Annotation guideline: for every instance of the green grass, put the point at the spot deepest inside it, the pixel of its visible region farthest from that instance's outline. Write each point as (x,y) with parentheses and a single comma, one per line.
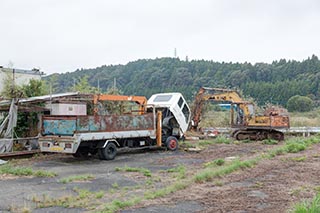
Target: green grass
(298,159)
(215,119)
(317,189)
(222,139)
(294,145)
(311,118)
(179,185)
(99,194)
(24,171)
(83,199)
(115,185)
(270,142)
(247,141)
(216,162)
(218,140)
(69,179)
(186,144)
(206,142)
(208,174)
(145,172)
(23,209)
(180,170)
(312,206)
(117,204)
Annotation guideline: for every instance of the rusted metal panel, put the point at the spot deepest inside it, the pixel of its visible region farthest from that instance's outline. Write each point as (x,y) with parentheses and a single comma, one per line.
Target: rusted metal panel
(67,125)
(127,122)
(89,123)
(58,125)
(280,121)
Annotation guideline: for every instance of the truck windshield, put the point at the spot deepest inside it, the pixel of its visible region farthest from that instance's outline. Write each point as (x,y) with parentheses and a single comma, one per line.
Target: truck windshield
(162,98)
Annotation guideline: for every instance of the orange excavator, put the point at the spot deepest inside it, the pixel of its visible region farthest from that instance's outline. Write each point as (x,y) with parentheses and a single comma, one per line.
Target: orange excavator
(243,120)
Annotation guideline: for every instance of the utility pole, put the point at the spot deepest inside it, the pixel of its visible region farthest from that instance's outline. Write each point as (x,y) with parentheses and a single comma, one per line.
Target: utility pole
(98,86)
(13,83)
(114,83)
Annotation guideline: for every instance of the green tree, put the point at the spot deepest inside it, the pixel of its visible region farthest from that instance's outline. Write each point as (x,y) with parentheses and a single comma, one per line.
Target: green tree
(10,90)
(34,88)
(115,107)
(51,84)
(299,103)
(83,86)
(274,83)
(27,121)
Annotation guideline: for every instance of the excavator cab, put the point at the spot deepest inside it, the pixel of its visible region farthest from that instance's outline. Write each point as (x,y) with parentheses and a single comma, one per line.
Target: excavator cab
(241,114)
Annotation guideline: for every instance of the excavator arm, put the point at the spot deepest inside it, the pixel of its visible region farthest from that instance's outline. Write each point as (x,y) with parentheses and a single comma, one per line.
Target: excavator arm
(217,94)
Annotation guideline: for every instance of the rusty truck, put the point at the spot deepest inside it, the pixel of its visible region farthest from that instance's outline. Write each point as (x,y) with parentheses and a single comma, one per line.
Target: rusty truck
(163,122)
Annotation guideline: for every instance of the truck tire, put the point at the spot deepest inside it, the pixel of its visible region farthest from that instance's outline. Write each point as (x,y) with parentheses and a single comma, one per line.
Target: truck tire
(81,153)
(172,143)
(109,152)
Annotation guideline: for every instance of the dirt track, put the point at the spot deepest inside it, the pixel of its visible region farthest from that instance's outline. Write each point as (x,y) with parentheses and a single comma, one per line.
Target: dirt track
(271,186)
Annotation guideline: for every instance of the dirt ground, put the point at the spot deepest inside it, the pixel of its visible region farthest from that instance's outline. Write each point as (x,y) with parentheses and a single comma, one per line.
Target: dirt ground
(273,185)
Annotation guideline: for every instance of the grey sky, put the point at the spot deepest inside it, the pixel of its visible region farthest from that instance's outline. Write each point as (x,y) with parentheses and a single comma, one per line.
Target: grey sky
(61,36)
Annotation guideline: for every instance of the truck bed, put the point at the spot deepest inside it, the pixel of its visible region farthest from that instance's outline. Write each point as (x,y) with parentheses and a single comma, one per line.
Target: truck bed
(65,133)
(69,125)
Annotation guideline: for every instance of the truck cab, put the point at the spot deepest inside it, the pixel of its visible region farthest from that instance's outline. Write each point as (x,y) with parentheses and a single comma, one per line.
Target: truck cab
(175,113)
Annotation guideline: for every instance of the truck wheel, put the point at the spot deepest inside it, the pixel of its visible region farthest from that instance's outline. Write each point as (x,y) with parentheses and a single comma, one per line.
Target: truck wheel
(81,153)
(109,152)
(101,154)
(172,143)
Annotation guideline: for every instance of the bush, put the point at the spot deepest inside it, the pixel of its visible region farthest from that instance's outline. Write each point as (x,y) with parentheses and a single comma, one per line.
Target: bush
(299,103)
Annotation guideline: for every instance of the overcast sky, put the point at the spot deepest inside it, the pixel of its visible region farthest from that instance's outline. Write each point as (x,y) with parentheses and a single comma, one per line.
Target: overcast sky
(63,35)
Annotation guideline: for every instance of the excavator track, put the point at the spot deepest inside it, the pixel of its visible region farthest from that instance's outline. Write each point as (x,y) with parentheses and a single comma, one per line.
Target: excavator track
(257,134)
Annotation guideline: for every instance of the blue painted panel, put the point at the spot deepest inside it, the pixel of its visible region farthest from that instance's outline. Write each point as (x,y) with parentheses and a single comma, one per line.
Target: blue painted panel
(59,127)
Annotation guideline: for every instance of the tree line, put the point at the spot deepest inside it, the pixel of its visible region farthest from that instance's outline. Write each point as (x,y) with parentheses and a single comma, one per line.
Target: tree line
(273,83)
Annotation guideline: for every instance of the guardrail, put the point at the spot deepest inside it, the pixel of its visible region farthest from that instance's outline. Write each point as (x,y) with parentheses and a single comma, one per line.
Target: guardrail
(303,130)
(306,131)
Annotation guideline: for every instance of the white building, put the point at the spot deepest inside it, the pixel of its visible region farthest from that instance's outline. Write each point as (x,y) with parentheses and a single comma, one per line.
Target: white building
(21,77)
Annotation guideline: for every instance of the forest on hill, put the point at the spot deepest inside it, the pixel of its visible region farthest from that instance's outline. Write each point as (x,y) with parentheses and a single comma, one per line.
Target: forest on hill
(267,83)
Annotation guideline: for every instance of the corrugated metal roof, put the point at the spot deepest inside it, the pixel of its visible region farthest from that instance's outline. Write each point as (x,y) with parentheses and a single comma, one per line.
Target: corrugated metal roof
(40,98)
